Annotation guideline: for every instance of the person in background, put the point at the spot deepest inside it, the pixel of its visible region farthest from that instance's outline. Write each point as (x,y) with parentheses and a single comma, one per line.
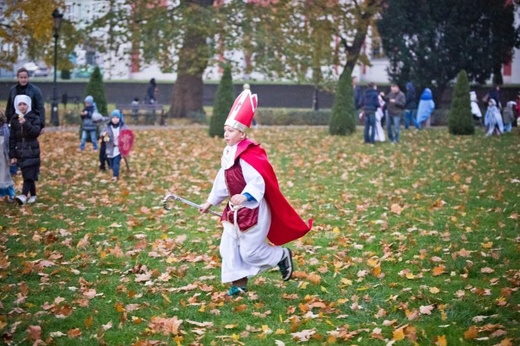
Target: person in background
(517,109)
(508,116)
(151,92)
(370,104)
(135,110)
(425,109)
(411,105)
(395,103)
(475,109)
(111,137)
(256,210)
(25,87)
(65,99)
(380,115)
(24,148)
(493,119)
(6,181)
(88,127)
(494,94)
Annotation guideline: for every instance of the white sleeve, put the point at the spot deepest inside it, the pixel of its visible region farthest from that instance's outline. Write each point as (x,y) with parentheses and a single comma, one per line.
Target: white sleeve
(255,184)
(219,190)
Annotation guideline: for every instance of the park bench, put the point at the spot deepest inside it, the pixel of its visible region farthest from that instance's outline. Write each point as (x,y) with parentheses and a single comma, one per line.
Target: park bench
(147,111)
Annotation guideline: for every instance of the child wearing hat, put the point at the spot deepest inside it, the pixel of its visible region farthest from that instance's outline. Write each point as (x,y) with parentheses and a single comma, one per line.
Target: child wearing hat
(88,126)
(24,148)
(111,135)
(256,208)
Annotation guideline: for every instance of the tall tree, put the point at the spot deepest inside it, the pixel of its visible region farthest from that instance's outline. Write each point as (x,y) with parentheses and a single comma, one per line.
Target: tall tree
(430,42)
(26,30)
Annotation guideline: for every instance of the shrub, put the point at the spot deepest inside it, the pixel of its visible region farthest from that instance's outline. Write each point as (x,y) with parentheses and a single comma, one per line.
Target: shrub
(65,74)
(223,102)
(343,118)
(460,119)
(284,117)
(96,89)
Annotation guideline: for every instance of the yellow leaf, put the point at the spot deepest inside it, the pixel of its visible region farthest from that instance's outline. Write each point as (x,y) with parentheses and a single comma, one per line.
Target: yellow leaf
(487,245)
(441,341)
(410,276)
(398,334)
(434,290)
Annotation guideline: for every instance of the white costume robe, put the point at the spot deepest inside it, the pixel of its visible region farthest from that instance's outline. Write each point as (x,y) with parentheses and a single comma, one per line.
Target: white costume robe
(244,254)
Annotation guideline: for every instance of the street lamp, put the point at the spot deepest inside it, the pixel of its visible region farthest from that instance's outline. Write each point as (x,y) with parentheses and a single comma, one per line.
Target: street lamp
(57,17)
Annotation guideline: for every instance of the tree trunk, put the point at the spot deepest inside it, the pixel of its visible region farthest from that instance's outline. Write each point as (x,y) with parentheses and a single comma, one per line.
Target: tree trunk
(188,91)
(365,15)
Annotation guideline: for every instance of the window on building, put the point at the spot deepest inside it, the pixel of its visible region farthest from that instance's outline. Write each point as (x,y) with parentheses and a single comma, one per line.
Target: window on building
(377,48)
(90,58)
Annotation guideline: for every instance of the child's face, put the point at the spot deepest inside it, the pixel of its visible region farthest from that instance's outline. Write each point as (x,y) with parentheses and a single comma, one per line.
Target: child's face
(232,136)
(88,104)
(115,120)
(22,106)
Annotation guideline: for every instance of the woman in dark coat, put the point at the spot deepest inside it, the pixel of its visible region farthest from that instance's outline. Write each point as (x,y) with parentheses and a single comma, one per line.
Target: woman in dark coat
(24,149)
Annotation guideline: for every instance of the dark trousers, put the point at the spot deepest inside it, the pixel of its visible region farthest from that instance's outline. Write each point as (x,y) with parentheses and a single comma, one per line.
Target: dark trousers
(103,159)
(29,186)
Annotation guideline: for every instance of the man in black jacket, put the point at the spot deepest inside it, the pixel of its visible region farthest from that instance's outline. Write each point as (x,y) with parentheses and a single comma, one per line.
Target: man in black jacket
(23,87)
(370,103)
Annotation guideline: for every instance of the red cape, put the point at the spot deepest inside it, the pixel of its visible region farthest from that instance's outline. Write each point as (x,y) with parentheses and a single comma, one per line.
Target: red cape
(286,224)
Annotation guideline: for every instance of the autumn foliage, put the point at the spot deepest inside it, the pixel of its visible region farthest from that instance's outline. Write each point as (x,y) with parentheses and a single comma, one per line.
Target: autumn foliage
(409,247)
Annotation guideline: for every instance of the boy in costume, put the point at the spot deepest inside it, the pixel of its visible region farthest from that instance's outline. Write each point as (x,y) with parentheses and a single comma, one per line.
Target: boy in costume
(256,210)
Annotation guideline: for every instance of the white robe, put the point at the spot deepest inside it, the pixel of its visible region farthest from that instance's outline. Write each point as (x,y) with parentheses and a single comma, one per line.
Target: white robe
(380,133)
(244,254)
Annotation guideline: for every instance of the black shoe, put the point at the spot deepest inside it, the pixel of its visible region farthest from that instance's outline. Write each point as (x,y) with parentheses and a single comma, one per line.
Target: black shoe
(286,264)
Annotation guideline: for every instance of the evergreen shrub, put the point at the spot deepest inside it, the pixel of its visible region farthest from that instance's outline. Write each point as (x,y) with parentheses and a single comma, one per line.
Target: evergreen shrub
(460,119)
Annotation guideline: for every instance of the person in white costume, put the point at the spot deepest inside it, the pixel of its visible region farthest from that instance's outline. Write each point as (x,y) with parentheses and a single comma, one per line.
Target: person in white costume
(253,212)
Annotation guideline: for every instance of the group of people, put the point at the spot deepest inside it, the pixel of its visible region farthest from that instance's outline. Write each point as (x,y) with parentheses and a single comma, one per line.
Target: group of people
(377,107)
(109,129)
(22,124)
(498,119)
(20,127)
(256,209)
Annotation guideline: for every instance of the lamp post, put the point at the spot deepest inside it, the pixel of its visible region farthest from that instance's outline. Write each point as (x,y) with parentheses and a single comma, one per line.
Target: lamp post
(57,17)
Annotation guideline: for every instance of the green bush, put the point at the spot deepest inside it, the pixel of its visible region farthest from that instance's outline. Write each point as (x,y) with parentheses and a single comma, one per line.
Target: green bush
(460,119)
(96,89)
(223,102)
(343,117)
(65,74)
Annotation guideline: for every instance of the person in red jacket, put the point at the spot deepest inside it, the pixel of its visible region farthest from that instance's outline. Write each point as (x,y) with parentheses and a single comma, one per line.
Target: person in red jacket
(256,209)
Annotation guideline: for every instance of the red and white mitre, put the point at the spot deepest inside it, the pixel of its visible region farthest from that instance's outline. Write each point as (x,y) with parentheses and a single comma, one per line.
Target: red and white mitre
(241,114)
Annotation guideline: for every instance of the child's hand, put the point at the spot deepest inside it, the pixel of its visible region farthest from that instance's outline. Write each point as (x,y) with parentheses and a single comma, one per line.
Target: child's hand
(238,199)
(204,208)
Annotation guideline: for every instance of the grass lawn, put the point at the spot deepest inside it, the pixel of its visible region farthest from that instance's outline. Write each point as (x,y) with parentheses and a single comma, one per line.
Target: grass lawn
(413,244)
